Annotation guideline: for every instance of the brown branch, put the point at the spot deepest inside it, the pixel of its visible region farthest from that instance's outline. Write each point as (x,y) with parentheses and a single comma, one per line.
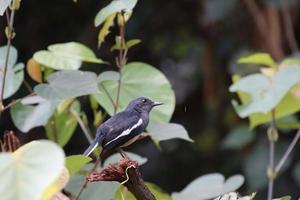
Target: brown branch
(126,172)
(290,36)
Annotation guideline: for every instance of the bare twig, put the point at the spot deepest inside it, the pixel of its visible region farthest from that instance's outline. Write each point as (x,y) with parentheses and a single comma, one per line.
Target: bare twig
(10,20)
(126,172)
(84,128)
(16,101)
(289,28)
(287,152)
(109,96)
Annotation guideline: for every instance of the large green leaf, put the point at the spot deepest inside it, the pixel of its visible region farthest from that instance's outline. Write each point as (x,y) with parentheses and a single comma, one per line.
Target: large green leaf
(26,173)
(14,74)
(93,191)
(209,186)
(258,58)
(140,79)
(63,125)
(122,193)
(4,5)
(75,162)
(288,105)
(66,56)
(265,92)
(167,131)
(68,84)
(113,7)
(26,117)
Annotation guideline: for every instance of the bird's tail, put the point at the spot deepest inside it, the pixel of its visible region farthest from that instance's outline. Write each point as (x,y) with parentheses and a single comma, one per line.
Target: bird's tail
(92,146)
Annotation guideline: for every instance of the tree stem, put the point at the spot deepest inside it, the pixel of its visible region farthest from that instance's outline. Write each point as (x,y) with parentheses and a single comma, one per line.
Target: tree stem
(271,172)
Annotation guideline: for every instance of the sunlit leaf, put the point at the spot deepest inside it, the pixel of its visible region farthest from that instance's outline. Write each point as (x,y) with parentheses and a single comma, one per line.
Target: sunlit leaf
(209,186)
(115,158)
(140,79)
(123,193)
(61,127)
(169,131)
(26,173)
(284,198)
(265,92)
(75,162)
(258,58)
(113,7)
(26,117)
(68,84)
(66,56)
(34,70)
(105,29)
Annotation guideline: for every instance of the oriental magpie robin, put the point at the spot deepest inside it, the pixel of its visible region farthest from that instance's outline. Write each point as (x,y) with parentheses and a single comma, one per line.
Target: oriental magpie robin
(123,127)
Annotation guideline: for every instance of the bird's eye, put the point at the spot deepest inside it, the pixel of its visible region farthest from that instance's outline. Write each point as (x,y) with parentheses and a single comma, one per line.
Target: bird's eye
(144,100)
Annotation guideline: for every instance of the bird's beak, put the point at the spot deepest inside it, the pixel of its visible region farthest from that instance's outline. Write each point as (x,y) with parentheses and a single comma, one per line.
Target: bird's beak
(156,104)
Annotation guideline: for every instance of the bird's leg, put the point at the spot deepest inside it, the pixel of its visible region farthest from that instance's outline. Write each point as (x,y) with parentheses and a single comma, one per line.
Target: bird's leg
(123,154)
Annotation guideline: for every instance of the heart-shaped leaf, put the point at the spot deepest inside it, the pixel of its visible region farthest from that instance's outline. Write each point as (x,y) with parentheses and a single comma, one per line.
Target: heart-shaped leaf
(4,5)
(140,79)
(169,131)
(68,84)
(26,173)
(209,186)
(113,7)
(26,117)
(66,56)
(266,92)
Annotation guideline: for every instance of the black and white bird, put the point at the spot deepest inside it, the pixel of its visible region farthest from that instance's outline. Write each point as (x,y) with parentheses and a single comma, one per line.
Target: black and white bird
(124,127)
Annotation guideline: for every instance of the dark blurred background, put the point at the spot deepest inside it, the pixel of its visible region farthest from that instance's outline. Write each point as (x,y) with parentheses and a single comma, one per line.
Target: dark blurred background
(195,43)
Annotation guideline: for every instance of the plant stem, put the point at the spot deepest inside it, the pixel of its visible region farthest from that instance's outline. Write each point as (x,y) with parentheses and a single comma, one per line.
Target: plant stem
(287,152)
(271,172)
(16,101)
(84,128)
(10,20)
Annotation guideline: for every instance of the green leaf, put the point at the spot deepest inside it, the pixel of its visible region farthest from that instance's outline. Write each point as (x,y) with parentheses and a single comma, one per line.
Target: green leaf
(209,186)
(66,56)
(238,138)
(114,7)
(256,162)
(75,162)
(14,73)
(61,128)
(109,76)
(26,173)
(115,158)
(284,198)
(140,79)
(93,191)
(169,131)
(4,5)
(132,43)
(296,173)
(265,92)
(128,44)
(68,84)
(104,31)
(258,58)
(26,117)
(123,193)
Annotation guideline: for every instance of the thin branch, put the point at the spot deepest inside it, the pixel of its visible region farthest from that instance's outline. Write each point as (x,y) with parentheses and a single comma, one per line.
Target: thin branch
(16,101)
(287,152)
(8,45)
(109,96)
(272,139)
(85,129)
(289,28)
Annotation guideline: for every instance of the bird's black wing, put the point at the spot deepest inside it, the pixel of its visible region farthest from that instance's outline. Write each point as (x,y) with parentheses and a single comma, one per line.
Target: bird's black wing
(119,129)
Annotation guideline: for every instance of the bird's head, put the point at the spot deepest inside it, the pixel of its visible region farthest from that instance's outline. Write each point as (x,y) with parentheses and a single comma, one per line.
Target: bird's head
(142,104)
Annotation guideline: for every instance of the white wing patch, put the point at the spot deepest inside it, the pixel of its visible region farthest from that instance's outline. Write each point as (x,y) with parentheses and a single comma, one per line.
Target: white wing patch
(126,132)
(94,147)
